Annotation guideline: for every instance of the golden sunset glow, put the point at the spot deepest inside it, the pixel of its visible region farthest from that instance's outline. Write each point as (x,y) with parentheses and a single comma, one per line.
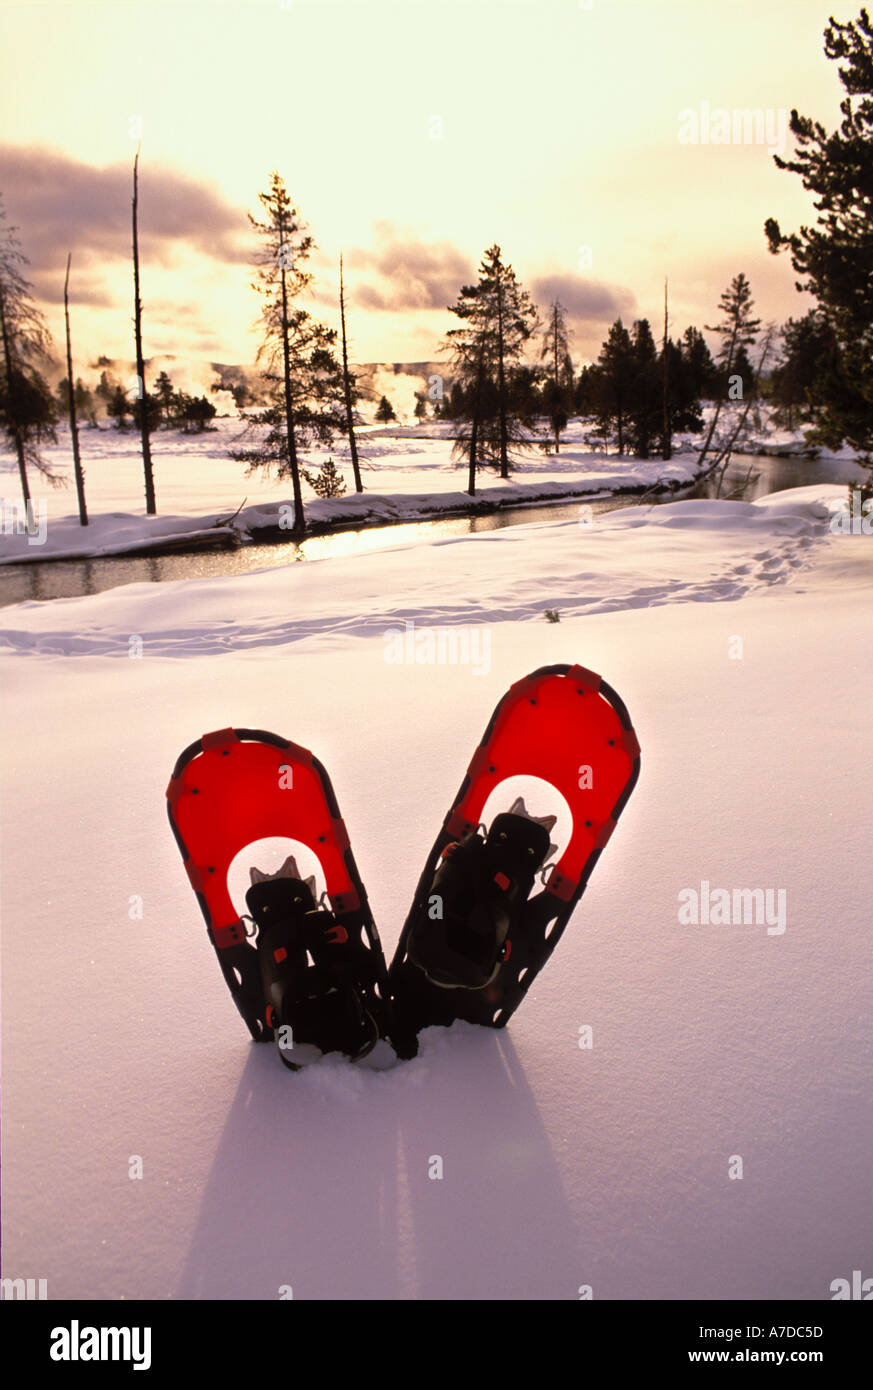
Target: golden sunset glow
(411,136)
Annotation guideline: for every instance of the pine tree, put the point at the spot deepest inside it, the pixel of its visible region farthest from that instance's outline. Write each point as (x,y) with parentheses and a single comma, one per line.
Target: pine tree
(27,410)
(118,407)
(746,373)
(835,258)
(106,386)
(196,411)
(558,388)
(470,347)
(584,392)
(303,377)
(385,411)
(165,393)
(702,369)
(84,399)
(645,404)
(683,398)
(497,319)
(738,329)
(809,354)
(327,482)
(513,318)
(612,381)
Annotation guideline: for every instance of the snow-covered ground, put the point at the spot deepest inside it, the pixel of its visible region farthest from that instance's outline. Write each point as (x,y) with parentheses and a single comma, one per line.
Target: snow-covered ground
(407,474)
(739,636)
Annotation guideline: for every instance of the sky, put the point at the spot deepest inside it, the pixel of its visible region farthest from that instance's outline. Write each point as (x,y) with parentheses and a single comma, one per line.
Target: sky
(411,134)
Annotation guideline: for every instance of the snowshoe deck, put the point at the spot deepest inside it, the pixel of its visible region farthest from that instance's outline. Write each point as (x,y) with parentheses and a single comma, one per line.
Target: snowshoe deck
(325,978)
(565,726)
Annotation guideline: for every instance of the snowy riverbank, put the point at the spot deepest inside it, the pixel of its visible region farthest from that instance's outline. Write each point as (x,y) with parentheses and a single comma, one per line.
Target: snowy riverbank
(408,475)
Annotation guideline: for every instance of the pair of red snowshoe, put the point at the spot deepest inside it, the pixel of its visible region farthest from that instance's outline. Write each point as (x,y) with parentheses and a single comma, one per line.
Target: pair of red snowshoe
(305,963)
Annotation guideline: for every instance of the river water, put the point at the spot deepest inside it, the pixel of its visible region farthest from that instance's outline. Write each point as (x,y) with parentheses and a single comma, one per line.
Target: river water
(750,476)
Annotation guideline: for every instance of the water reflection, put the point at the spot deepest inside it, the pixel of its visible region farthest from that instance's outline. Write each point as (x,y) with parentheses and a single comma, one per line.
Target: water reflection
(749,476)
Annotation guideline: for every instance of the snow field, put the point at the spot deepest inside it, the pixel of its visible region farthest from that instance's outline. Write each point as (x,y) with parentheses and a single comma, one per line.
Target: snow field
(564,1167)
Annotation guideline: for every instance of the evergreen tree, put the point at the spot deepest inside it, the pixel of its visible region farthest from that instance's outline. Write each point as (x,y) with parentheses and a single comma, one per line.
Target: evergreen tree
(497,319)
(303,376)
(165,393)
(197,411)
(512,318)
(558,387)
(645,404)
(385,411)
(742,369)
(683,398)
(118,407)
(737,329)
(835,258)
(809,353)
(470,348)
(327,482)
(612,382)
(107,385)
(146,408)
(702,370)
(84,399)
(456,401)
(585,391)
(27,410)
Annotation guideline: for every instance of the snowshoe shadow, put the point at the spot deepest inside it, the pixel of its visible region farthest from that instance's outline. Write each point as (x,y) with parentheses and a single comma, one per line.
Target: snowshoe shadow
(497,1224)
(328,1182)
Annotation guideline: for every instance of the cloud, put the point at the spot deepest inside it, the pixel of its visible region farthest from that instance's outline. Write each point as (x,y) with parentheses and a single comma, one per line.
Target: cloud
(411,273)
(85,288)
(60,204)
(587,301)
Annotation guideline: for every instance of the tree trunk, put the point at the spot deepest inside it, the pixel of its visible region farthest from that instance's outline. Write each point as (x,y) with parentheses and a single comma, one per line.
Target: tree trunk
(667,442)
(471,472)
(347,386)
(557,430)
(705,450)
(501,383)
(474,432)
(16,432)
(74,428)
(151,508)
(299,515)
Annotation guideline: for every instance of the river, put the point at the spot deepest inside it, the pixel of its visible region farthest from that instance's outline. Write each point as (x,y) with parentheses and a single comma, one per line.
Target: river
(749,476)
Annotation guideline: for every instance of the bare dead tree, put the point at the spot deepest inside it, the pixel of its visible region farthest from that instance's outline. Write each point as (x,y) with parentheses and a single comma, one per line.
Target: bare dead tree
(74,428)
(144,421)
(347,389)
